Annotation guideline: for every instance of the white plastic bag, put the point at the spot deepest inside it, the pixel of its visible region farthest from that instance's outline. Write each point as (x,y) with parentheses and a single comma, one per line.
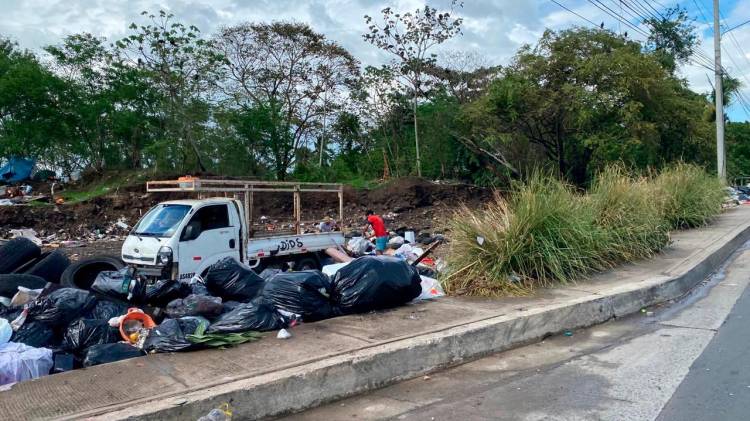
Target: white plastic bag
(19,362)
(5,331)
(24,295)
(431,288)
(359,246)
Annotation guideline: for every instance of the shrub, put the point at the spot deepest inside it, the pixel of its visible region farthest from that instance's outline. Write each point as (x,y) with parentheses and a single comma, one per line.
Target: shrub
(546,233)
(627,213)
(688,196)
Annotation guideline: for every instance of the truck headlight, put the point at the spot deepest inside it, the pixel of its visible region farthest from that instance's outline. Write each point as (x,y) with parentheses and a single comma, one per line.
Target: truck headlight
(164,257)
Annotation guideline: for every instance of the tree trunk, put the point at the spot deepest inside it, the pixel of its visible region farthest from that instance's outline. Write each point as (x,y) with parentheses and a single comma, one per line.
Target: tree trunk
(416,136)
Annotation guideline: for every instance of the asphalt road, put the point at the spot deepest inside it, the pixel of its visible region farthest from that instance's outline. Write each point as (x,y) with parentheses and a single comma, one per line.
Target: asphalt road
(685,360)
(718,384)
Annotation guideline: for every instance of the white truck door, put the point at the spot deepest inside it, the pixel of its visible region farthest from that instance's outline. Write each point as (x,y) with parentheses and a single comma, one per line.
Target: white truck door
(209,236)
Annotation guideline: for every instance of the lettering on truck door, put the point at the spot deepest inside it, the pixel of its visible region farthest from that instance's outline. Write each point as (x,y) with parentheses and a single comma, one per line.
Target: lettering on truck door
(211,237)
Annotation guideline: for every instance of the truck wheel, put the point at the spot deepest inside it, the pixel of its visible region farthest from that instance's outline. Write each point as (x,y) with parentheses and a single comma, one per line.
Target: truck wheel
(51,267)
(83,273)
(9,283)
(307,263)
(16,252)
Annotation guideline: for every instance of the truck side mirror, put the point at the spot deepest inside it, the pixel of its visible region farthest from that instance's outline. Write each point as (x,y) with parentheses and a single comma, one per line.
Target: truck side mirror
(191,231)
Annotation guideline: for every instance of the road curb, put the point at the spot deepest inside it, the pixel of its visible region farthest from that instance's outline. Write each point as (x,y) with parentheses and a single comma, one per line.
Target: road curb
(297,388)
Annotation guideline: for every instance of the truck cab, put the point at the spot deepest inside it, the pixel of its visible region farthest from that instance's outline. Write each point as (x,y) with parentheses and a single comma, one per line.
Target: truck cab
(180,238)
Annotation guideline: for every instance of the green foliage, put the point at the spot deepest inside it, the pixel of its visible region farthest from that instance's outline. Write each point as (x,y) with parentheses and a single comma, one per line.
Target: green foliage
(738,149)
(687,196)
(546,233)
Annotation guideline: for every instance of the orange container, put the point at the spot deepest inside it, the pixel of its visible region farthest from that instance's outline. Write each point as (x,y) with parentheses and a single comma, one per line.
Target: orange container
(135,314)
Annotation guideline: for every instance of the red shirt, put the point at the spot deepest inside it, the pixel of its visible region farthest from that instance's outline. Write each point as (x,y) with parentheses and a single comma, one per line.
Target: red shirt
(377,225)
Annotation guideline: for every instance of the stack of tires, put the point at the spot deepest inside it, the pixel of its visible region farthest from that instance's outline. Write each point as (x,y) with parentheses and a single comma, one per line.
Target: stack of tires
(23,264)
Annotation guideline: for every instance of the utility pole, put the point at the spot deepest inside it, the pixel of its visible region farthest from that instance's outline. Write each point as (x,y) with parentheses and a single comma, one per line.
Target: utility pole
(721,168)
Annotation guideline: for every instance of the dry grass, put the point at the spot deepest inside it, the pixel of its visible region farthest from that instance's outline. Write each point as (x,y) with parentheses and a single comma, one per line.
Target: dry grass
(547,234)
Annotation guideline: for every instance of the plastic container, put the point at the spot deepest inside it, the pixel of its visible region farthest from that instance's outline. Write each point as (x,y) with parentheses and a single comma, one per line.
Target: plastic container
(410,237)
(135,317)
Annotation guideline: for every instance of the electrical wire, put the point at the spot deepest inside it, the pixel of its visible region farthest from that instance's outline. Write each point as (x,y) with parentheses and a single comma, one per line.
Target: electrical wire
(563,6)
(612,13)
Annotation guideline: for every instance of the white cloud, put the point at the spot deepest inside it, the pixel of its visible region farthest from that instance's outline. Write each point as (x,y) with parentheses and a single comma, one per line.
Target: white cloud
(493,28)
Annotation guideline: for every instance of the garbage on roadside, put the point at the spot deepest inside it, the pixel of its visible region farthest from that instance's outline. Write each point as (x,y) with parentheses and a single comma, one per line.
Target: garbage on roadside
(222,413)
(19,362)
(374,283)
(306,294)
(195,305)
(111,315)
(85,333)
(109,353)
(231,280)
(259,315)
(26,233)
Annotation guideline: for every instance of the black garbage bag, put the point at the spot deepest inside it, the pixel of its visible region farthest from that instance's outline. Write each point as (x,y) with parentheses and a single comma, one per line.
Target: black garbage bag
(231,280)
(230,305)
(84,333)
(373,283)
(195,305)
(105,309)
(198,288)
(61,306)
(305,293)
(259,315)
(36,334)
(170,335)
(109,353)
(162,292)
(268,273)
(120,284)
(10,313)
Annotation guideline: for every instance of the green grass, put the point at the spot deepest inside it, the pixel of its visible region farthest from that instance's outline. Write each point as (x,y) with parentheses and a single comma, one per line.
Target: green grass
(688,197)
(546,233)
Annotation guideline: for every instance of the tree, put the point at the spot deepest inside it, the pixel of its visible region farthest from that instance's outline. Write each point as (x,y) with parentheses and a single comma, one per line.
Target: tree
(465,76)
(30,100)
(410,37)
(672,37)
(183,68)
(295,73)
(582,98)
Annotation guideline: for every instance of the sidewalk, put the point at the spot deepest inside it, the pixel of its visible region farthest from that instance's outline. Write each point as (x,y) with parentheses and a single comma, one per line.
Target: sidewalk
(347,355)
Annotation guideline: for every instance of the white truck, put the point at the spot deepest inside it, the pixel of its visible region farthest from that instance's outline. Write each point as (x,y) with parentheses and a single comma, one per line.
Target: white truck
(178,239)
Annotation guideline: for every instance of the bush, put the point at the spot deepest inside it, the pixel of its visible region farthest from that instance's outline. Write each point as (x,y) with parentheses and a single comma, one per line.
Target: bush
(547,234)
(688,196)
(628,215)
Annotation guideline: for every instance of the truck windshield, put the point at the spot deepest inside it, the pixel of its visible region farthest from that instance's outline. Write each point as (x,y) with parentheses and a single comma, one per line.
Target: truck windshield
(161,220)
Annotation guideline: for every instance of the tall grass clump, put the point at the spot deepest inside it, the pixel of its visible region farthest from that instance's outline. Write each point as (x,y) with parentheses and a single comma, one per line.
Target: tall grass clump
(628,215)
(689,197)
(544,233)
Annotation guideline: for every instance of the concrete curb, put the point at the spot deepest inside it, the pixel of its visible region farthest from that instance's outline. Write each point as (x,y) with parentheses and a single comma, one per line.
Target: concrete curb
(297,388)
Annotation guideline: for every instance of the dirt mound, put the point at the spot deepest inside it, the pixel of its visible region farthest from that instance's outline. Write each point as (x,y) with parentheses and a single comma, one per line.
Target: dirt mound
(410,203)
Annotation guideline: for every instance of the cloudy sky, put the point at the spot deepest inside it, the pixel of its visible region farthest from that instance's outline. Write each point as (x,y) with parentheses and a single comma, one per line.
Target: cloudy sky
(492,28)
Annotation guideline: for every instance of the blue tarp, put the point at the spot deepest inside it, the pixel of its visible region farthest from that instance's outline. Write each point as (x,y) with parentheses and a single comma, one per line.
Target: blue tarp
(17,169)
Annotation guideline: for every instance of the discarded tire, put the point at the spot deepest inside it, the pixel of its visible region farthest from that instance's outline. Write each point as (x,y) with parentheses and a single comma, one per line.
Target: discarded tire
(16,252)
(50,267)
(28,265)
(9,283)
(82,274)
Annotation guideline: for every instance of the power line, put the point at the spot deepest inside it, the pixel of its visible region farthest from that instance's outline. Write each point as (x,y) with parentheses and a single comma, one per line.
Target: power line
(563,6)
(614,14)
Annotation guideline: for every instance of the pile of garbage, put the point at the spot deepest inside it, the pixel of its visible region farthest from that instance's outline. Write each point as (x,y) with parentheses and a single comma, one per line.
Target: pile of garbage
(100,316)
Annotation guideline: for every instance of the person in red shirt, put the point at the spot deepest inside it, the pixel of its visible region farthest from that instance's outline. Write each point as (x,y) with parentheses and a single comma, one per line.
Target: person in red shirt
(378,227)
